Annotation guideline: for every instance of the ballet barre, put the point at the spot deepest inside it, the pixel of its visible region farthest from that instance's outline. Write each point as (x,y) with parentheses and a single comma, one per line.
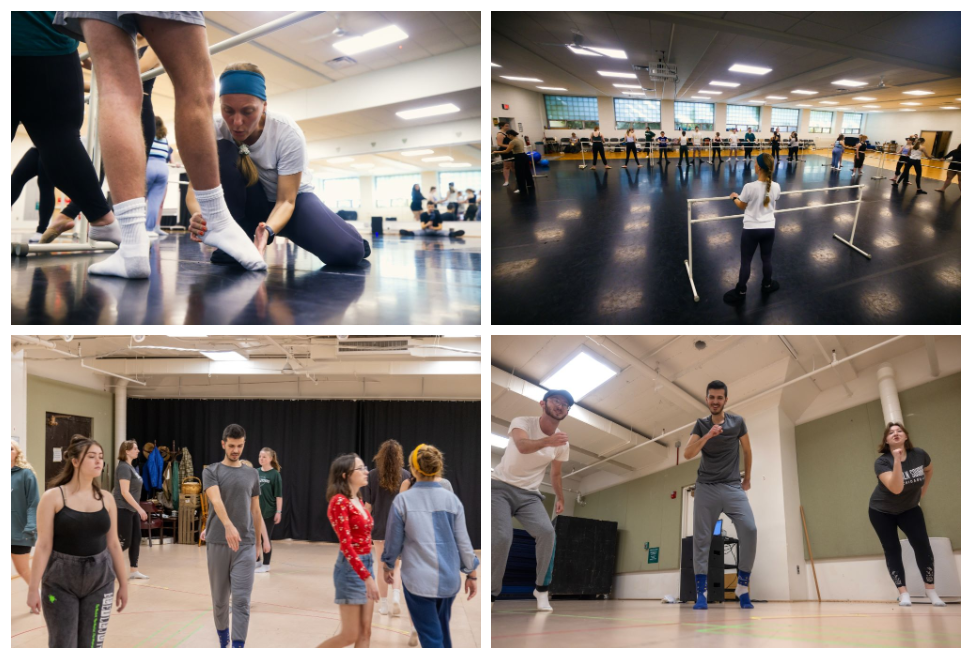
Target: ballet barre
(690,221)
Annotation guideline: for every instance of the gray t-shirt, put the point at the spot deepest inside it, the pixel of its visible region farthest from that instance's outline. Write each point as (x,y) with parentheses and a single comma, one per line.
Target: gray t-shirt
(126,472)
(913,477)
(720,457)
(237,486)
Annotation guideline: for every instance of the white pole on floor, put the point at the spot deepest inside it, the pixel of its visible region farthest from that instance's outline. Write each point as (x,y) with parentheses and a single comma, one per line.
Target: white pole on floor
(881,161)
(582,151)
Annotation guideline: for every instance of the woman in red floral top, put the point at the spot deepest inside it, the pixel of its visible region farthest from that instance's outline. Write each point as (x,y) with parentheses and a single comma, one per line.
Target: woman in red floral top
(356,590)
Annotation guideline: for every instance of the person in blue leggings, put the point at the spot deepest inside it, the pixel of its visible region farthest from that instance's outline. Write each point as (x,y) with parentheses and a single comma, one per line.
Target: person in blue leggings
(156,176)
(265,174)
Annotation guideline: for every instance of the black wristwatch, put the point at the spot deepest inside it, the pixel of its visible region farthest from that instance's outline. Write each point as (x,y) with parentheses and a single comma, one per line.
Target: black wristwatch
(272,234)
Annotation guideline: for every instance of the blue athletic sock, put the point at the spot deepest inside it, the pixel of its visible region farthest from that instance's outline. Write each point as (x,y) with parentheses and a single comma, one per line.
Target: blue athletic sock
(238,643)
(701,592)
(223,637)
(743,593)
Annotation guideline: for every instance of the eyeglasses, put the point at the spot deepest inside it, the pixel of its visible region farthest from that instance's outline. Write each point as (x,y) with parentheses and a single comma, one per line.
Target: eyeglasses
(557,400)
(363,469)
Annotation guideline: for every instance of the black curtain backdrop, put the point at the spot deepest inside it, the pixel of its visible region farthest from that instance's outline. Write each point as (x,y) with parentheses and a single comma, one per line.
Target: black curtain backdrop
(308,435)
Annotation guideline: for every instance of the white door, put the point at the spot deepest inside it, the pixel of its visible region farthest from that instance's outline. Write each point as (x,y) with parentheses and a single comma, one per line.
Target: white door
(688,503)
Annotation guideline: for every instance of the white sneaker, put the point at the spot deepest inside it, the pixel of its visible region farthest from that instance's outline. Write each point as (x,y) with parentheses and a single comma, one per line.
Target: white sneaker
(137,575)
(262,569)
(505,185)
(395,605)
(542,598)
(517,190)
(35,238)
(382,607)
(412,641)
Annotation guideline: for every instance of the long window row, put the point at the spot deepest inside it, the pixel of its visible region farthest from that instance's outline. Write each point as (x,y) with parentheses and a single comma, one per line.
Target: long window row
(390,190)
(582,113)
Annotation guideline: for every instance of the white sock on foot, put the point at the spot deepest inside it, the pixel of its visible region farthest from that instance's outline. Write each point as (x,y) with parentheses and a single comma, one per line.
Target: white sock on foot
(934,598)
(110,232)
(224,233)
(904,599)
(131,259)
(741,590)
(542,598)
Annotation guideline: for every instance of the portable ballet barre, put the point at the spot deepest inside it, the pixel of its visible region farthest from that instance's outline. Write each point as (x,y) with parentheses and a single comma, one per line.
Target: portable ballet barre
(84,242)
(690,221)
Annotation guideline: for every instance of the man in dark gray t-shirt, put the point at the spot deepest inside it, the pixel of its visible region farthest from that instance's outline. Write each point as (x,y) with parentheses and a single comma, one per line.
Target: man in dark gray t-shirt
(720,489)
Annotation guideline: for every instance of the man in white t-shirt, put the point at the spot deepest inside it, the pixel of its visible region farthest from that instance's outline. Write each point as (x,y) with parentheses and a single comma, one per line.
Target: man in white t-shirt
(533,443)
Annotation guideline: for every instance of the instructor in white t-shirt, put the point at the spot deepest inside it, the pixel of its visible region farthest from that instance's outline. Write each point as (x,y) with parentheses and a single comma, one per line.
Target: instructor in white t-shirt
(534,443)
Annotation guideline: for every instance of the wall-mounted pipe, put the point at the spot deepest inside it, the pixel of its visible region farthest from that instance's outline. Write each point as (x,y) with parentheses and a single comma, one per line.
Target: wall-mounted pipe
(110,373)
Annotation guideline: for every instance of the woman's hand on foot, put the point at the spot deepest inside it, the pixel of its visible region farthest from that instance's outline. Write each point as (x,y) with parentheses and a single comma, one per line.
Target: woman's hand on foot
(197,227)
(261,239)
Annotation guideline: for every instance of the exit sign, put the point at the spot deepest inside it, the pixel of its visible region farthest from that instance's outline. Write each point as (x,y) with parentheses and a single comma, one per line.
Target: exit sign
(505,107)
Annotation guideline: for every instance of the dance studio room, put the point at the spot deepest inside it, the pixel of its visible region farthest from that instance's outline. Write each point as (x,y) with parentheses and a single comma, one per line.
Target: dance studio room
(259,491)
(640,161)
(342,184)
(726,491)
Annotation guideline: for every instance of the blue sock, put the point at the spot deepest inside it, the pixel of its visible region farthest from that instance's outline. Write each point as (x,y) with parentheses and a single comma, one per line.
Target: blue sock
(238,643)
(743,583)
(223,637)
(701,592)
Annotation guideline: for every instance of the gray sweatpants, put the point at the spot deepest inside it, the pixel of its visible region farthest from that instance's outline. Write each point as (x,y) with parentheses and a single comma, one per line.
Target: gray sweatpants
(77,595)
(508,501)
(231,573)
(710,500)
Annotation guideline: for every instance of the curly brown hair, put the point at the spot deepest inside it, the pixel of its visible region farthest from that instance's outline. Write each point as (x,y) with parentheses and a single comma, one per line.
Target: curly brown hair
(390,460)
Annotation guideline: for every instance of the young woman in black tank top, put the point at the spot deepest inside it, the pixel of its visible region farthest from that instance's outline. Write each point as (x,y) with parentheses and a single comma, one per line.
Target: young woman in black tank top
(78,554)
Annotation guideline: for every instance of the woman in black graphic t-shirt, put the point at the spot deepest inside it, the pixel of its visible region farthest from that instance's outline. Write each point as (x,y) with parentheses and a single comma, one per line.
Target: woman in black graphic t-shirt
(903,473)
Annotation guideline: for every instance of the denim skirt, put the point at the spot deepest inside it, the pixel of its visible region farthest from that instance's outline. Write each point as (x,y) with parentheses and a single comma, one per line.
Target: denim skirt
(350,589)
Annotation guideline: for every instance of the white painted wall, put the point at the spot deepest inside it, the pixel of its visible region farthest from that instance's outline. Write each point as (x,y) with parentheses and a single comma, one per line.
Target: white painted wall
(898,125)
(18,400)
(856,579)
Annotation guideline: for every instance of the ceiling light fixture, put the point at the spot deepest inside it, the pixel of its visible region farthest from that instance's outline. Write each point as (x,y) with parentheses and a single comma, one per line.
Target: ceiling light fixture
(494,65)
(776,97)
(436,110)
(919,93)
(581,374)
(635,93)
(725,84)
(756,102)
(361,166)
(598,52)
(804,92)
(910,103)
(382,37)
(614,74)
(442,158)
(716,93)
(226,356)
(864,98)
(827,102)
(948,108)
(755,70)
(906,110)
(553,88)
(871,106)
(628,86)
(521,79)
(804,105)
(850,83)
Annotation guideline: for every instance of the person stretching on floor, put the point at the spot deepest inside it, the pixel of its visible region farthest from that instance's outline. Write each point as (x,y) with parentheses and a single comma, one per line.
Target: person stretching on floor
(534,443)
(719,489)
(431,225)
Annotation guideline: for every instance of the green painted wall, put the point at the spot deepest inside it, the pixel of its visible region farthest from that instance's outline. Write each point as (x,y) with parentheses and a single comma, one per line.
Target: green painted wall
(45,395)
(835,468)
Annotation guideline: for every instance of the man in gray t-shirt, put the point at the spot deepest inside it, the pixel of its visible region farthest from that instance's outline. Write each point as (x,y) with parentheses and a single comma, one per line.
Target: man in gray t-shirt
(720,489)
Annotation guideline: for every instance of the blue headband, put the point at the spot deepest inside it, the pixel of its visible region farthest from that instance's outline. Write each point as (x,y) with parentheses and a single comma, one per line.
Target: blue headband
(760,162)
(247,82)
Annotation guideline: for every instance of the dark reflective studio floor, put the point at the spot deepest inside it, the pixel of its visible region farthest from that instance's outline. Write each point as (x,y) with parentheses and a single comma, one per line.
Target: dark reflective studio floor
(404,282)
(608,247)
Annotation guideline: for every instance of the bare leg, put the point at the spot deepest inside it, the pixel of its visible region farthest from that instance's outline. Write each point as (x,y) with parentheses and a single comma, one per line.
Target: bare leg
(366,622)
(378,550)
(21,563)
(349,627)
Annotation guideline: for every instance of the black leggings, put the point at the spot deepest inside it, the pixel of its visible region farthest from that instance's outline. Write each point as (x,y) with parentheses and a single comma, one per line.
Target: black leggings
(28,168)
(912,523)
(268,521)
(664,153)
(750,239)
(716,154)
(917,164)
(598,150)
(631,148)
(748,149)
(792,153)
(901,162)
(684,155)
(47,97)
(312,227)
(775,151)
(129,533)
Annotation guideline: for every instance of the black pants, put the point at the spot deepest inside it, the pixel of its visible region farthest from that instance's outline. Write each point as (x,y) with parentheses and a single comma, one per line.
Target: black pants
(631,148)
(664,153)
(750,239)
(901,162)
(775,151)
(129,533)
(28,168)
(716,153)
(684,155)
(917,164)
(268,521)
(523,172)
(912,523)
(598,150)
(47,97)
(792,153)
(748,149)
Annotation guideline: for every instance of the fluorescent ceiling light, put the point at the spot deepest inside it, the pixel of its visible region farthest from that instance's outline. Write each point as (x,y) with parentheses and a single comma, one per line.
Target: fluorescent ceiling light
(701,97)
(415,153)
(743,68)
(864,98)
(756,102)
(436,110)
(580,375)
(339,160)
(906,110)
(598,52)
(919,93)
(628,86)
(361,166)
(441,158)
(803,92)
(499,441)
(776,97)
(804,105)
(909,103)
(382,37)
(582,51)
(522,79)
(827,102)
(454,165)
(725,84)
(948,108)
(850,83)
(494,65)
(553,88)
(716,93)
(635,93)
(613,74)
(871,106)
(226,356)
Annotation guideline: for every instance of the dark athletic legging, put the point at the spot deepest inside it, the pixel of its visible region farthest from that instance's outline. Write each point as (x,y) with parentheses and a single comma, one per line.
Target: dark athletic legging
(917,163)
(684,155)
(312,227)
(750,239)
(631,148)
(792,153)
(47,97)
(129,533)
(912,523)
(901,162)
(716,154)
(28,168)
(598,150)
(775,150)
(748,149)
(268,521)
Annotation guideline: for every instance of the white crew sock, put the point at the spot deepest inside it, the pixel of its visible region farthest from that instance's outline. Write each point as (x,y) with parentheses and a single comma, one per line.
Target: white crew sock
(904,599)
(110,232)
(224,233)
(542,598)
(131,259)
(934,598)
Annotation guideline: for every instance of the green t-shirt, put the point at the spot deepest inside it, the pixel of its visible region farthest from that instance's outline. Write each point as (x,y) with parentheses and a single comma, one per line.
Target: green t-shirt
(649,135)
(33,35)
(270,487)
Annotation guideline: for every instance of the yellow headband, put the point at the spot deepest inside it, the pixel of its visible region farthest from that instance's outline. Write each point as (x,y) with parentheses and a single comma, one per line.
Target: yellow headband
(413,462)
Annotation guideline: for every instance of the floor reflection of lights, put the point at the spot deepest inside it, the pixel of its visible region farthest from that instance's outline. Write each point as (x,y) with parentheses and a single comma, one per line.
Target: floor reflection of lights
(721,239)
(950,275)
(630,253)
(844,218)
(552,234)
(790,228)
(637,209)
(886,241)
(621,300)
(928,231)
(570,214)
(880,303)
(824,255)
(636,225)
(513,269)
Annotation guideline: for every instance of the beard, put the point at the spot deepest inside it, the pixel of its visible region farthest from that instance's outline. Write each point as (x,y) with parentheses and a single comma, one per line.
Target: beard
(550,413)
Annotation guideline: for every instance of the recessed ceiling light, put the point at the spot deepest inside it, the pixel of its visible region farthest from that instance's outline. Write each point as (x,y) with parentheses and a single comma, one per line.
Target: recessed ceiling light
(628,86)
(701,97)
(958,99)
(454,165)
(919,93)
(339,160)
(226,356)
(440,158)
(436,110)
(521,79)
(910,103)
(776,97)
(906,110)
(580,375)
(803,92)
(598,52)
(614,74)
(850,83)
(499,441)
(494,65)
(382,37)
(756,102)
(743,68)
(804,105)
(361,166)
(716,93)
(635,93)
(827,102)
(725,84)
(863,98)
(553,88)
(415,153)
(948,108)
(872,106)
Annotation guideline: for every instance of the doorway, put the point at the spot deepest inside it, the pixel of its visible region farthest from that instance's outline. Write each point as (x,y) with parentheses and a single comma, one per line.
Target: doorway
(60,429)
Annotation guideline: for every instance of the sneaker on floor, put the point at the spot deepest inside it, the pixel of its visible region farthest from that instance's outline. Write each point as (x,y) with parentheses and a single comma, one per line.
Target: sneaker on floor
(772,286)
(412,640)
(456,233)
(382,607)
(395,608)
(137,576)
(262,569)
(908,183)
(734,297)
(517,191)
(505,185)
(542,598)
(366,249)
(405,233)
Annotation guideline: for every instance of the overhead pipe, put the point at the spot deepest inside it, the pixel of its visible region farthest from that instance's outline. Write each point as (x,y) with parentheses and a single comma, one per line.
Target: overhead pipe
(110,373)
(888,393)
(933,355)
(293,362)
(833,358)
(744,402)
